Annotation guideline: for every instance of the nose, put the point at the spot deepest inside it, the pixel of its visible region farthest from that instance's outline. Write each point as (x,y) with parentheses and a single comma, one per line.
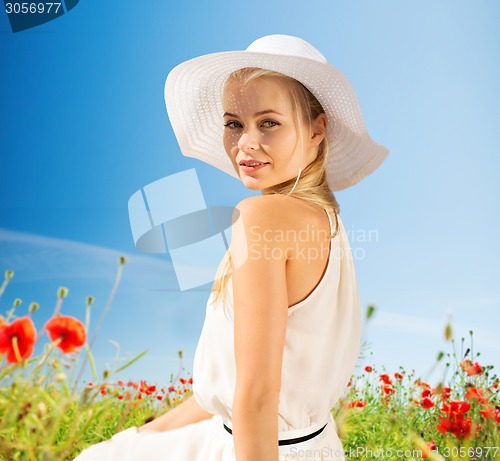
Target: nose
(248,141)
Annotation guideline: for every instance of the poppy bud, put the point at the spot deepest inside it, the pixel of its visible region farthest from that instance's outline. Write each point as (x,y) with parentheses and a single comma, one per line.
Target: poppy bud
(122,260)
(33,307)
(448,333)
(62,292)
(9,274)
(369,312)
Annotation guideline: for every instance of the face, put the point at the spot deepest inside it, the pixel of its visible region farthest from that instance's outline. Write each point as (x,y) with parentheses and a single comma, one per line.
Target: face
(260,133)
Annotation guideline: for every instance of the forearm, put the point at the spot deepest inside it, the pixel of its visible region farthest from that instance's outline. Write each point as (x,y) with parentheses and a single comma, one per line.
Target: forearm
(255,430)
(186,413)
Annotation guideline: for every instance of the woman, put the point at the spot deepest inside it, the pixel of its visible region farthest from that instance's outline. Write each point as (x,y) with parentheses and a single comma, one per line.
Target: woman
(282,327)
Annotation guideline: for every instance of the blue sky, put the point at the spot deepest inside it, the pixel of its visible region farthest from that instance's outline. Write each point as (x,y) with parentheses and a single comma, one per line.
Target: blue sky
(84,126)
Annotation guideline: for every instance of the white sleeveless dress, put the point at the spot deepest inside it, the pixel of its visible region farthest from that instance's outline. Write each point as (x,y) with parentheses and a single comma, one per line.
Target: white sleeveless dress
(321,349)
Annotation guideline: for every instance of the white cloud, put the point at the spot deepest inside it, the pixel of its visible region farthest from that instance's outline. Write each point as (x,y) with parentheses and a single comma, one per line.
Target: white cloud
(40,258)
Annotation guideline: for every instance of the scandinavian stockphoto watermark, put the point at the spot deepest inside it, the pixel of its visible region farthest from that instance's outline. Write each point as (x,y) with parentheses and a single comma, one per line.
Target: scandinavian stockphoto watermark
(305,244)
(26,15)
(356,452)
(171,216)
(390,453)
(359,238)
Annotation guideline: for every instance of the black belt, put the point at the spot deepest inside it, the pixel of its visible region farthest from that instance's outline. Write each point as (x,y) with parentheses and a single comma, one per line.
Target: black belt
(290,441)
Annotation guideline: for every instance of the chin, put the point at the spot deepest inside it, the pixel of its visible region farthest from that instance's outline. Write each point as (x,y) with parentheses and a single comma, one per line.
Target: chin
(254,184)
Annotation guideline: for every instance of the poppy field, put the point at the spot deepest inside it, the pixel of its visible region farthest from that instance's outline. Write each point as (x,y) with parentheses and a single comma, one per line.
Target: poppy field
(48,413)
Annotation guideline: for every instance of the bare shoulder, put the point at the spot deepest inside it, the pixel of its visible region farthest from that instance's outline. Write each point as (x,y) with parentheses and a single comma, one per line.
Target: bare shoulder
(259,225)
(274,225)
(269,211)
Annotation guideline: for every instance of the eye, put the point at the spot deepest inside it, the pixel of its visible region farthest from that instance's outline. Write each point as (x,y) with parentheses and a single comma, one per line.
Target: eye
(232,125)
(269,123)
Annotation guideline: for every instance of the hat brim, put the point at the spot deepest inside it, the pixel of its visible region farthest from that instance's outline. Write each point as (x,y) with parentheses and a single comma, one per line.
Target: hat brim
(193,97)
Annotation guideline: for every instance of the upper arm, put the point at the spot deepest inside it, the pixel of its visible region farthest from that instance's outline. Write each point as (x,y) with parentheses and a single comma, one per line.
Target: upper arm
(260,298)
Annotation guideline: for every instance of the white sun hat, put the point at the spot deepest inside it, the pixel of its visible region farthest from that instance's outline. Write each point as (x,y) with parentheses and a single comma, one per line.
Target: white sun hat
(193,96)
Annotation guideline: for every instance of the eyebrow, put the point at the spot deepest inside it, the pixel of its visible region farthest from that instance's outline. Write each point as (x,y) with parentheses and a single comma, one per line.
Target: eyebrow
(257,114)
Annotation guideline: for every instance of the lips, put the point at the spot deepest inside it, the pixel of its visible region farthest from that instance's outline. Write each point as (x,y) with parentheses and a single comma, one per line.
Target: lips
(252,163)
(251,166)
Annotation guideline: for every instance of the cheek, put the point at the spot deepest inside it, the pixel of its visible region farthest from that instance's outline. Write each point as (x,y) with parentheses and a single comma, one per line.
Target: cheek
(281,144)
(230,142)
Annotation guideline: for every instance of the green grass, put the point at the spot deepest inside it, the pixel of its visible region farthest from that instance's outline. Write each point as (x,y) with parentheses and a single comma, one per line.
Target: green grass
(46,414)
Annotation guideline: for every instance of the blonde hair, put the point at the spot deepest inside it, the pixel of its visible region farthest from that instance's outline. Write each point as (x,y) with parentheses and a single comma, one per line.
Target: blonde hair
(311,184)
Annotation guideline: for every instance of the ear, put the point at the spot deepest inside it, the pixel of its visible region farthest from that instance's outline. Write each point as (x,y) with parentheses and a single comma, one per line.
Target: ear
(318,130)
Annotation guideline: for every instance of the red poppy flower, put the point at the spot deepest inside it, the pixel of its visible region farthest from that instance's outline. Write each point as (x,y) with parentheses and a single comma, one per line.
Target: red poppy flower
(66,332)
(144,387)
(444,425)
(455,407)
(190,380)
(471,368)
(23,330)
(385,378)
(388,389)
(459,426)
(474,393)
(432,445)
(428,447)
(357,404)
(474,369)
(426,403)
(368,368)
(488,412)
(426,393)
(445,393)
(398,376)
(456,423)
(459,407)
